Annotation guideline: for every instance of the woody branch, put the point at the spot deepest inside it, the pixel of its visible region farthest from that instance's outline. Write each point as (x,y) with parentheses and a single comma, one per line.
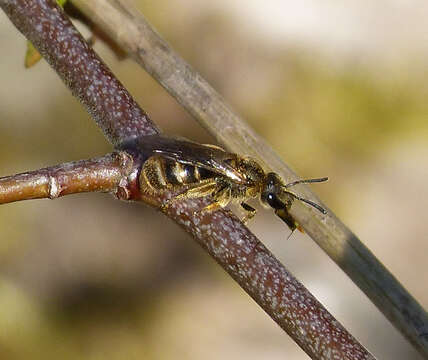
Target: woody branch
(102,174)
(227,240)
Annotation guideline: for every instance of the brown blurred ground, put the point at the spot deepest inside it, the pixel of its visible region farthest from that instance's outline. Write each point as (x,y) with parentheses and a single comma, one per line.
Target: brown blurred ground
(337,91)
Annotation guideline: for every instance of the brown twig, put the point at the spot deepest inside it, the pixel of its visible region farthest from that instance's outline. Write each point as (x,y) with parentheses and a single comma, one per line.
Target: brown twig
(102,174)
(230,243)
(134,33)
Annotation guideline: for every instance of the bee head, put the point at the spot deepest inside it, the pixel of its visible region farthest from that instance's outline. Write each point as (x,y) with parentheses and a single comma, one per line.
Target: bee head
(277,195)
(272,191)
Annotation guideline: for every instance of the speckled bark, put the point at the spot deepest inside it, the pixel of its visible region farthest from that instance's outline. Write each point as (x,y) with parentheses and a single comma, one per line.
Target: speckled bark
(268,282)
(262,276)
(52,33)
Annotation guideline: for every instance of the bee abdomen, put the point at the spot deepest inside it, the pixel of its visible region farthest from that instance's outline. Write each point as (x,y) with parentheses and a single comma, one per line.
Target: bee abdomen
(203,174)
(160,173)
(152,174)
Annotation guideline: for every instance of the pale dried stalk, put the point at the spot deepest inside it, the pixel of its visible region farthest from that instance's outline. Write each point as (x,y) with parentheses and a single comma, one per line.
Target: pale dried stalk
(130,29)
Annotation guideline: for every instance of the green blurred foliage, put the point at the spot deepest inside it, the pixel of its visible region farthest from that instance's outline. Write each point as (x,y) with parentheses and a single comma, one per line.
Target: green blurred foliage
(348,113)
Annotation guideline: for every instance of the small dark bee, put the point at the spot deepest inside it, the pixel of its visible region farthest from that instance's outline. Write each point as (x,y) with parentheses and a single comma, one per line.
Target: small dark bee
(202,170)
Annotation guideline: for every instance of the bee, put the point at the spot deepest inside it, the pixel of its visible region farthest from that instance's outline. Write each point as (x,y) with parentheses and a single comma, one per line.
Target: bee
(200,170)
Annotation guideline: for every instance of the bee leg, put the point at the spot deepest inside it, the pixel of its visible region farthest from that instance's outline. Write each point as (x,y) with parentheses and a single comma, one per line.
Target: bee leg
(289,220)
(201,190)
(250,212)
(221,199)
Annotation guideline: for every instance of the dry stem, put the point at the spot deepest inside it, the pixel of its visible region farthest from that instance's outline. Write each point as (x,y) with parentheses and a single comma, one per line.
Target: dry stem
(131,30)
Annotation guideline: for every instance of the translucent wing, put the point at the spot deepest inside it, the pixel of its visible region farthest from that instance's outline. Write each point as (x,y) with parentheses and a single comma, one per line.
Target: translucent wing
(188,152)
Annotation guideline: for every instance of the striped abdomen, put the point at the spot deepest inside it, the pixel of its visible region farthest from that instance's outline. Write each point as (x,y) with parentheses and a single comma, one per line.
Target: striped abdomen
(160,173)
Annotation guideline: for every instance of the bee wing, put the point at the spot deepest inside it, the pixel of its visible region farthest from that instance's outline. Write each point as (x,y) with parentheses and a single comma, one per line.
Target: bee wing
(210,158)
(184,151)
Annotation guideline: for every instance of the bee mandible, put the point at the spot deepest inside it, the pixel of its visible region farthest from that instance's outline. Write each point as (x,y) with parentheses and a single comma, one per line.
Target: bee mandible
(201,170)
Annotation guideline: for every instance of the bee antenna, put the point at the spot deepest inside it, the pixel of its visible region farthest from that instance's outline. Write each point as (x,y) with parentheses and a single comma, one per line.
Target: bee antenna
(291,233)
(306,181)
(309,202)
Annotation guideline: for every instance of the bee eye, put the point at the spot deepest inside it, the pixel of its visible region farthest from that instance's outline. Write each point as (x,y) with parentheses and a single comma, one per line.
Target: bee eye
(273,180)
(274,202)
(270,180)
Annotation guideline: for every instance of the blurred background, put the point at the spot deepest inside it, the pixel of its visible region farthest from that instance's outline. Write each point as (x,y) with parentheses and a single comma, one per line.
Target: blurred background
(337,88)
